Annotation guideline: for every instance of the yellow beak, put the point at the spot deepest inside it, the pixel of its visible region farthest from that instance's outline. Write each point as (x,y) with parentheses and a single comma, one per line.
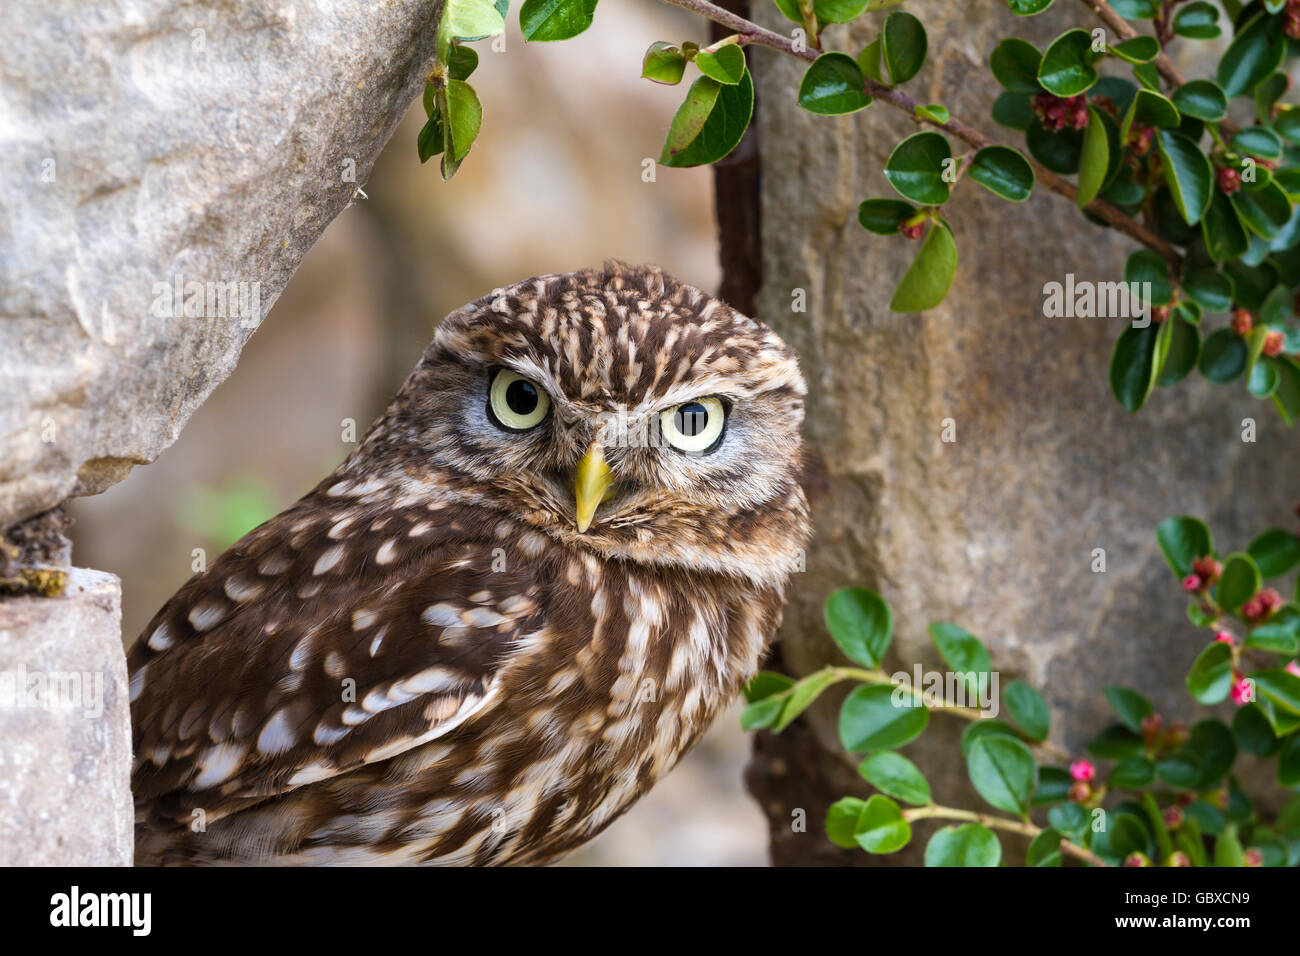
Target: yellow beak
(591,481)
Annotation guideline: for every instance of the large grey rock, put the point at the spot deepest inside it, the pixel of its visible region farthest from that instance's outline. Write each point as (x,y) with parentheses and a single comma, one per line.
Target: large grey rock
(151,142)
(995,531)
(65,728)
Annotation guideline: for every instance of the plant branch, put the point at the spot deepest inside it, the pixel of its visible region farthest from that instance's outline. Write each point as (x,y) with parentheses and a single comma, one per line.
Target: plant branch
(965,713)
(751,34)
(999,823)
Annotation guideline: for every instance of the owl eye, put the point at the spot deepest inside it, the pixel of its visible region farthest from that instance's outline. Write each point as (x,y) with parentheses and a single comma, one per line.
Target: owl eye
(516,403)
(694,426)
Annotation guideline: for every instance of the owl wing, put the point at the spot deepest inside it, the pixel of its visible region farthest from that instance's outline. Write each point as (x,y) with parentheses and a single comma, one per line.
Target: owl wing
(328,638)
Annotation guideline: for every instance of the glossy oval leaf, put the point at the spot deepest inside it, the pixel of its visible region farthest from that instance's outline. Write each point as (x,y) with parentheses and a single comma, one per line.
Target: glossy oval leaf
(894,774)
(550,20)
(928,279)
(916,166)
(1182,540)
(833,85)
(1133,366)
(1202,99)
(884,216)
(1238,581)
(1066,69)
(710,122)
(1188,172)
(870,720)
(726,64)
(1223,356)
(1003,772)
(1253,55)
(970,844)
(1003,171)
(1094,161)
(881,827)
(903,45)
(860,623)
(1015,65)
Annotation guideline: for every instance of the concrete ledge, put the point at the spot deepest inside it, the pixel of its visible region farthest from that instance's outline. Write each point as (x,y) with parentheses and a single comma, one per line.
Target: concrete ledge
(65,728)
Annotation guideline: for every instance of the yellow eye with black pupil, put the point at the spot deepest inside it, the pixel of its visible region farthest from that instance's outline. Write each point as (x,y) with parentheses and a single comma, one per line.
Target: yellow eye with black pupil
(695,426)
(516,403)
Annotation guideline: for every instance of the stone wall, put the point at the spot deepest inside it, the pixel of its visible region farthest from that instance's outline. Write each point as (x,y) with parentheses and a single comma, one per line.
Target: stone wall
(994,532)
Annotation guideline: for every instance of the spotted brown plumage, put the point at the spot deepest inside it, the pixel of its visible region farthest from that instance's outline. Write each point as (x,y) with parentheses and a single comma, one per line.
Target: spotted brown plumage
(425,660)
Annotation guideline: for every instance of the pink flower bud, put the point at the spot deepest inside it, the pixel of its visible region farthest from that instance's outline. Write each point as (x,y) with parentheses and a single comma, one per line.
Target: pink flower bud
(1242,321)
(1243,691)
(1273,344)
(1082,771)
(1173,817)
(1179,858)
(1192,583)
(1293,667)
(1228,178)
(1253,856)
(1136,859)
(1223,637)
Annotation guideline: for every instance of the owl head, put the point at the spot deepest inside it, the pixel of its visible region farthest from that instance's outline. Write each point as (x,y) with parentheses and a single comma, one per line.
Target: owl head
(617,410)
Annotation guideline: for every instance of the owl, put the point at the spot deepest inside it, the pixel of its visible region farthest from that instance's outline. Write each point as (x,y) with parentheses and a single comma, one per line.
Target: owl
(560,552)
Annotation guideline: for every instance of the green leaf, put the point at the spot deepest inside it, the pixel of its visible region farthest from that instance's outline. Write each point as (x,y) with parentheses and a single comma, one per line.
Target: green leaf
(1044,849)
(710,122)
(1094,161)
(903,45)
(1013,111)
(1114,743)
(1054,785)
(884,216)
(1058,151)
(965,654)
(1225,237)
(1003,171)
(1264,211)
(664,63)
(897,776)
(1252,56)
(1258,141)
(1238,582)
(1138,49)
(915,167)
(1180,346)
(1287,395)
(1027,8)
(1212,744)
(461,62)
(842,821)
(1202,99)
(1066,69)
(869,719)
(970,844)
(726,64)
(1252,732)
(549,20)
(767,684)
(870,62)
(1133,366)
(837,11)
(1127,834)
(1276,552)
(429,142)
(1288,762)
(927,280)
(936,112)
(1197,21)
(468,20)
(881,827)
(1132,773)
(1003,772)
(800,698)
(1068,818)
(983,728)
(1015,65)
(1149,108)
(1210,289)
(1210,678)
(1134,9)
(1280,688)
(1146,265)
(1223,356)
(1188,172)
(1227,848)
(1182,540)
(462,118)
(1028,709)
(1131,706)
(1288,124)
(833,85)
(860,622)
(1281,634)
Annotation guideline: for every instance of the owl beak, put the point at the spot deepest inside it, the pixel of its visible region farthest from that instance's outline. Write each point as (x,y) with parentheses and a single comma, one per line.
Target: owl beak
(591,480)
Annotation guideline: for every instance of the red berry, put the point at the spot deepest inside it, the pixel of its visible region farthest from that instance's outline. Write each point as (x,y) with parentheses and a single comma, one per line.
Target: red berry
(1229,179)
(1273,344)
(1242,321)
